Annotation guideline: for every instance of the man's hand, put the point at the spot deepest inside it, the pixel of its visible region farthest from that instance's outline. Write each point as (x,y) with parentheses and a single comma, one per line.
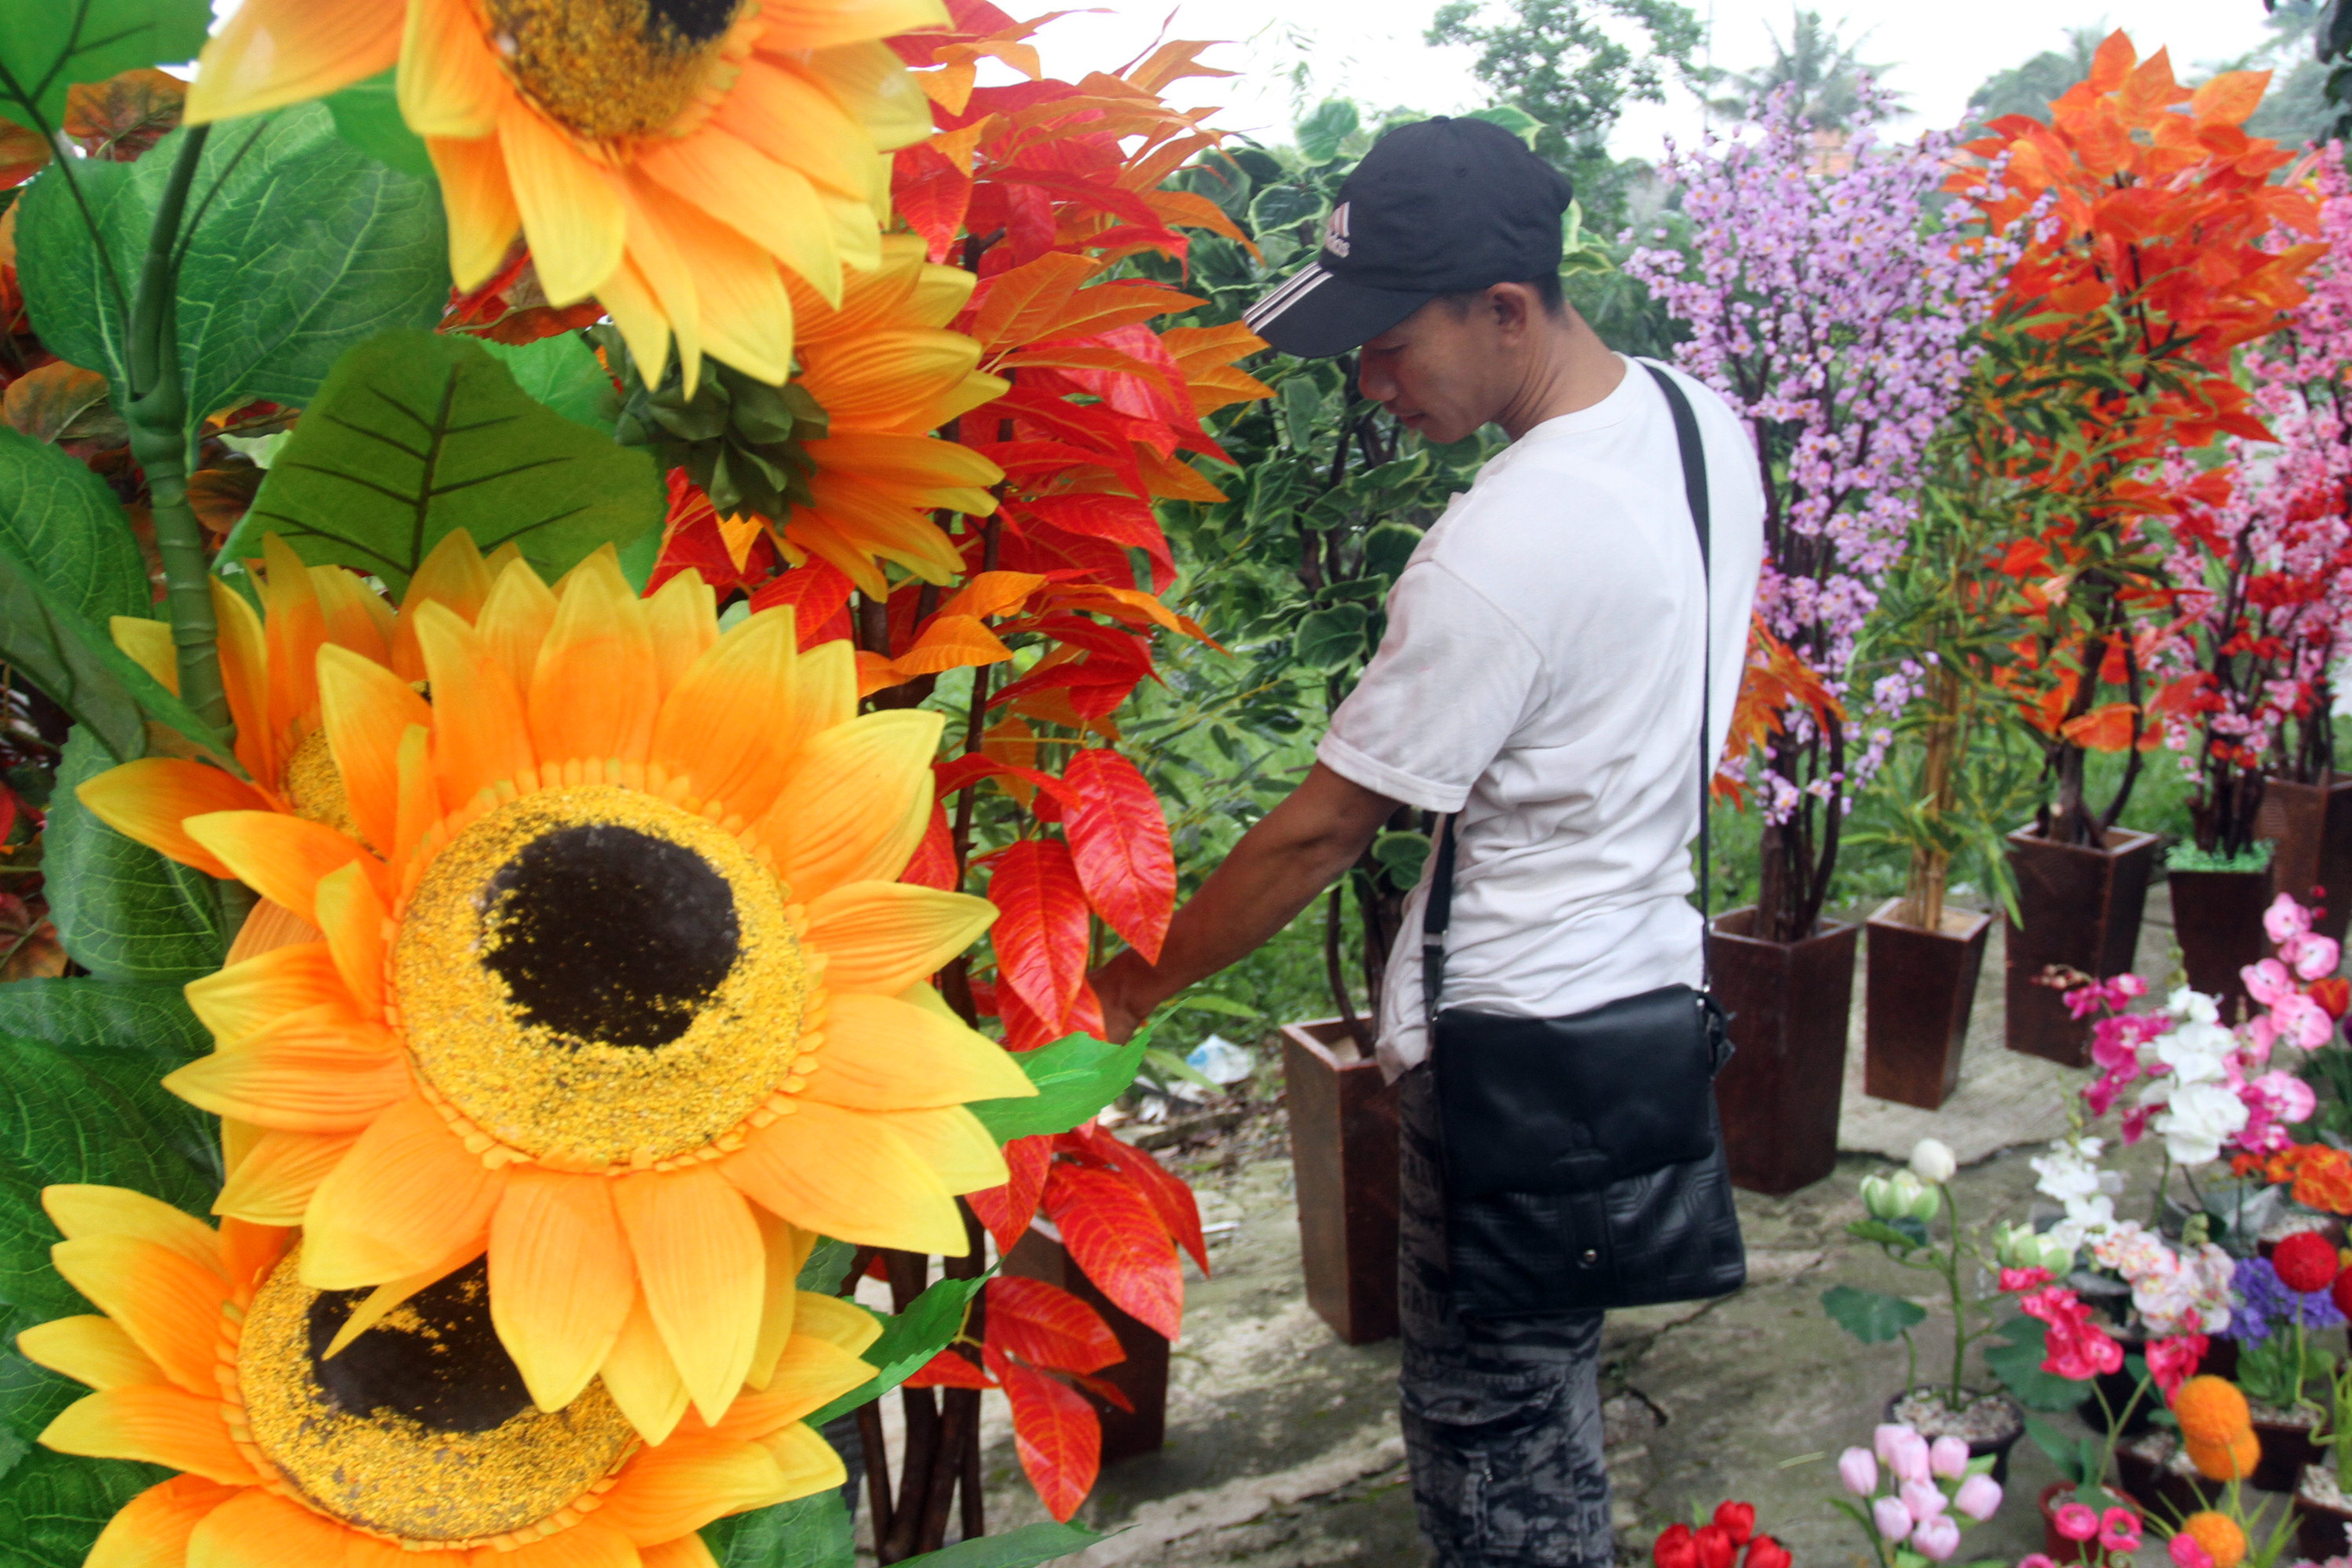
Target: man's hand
(1295,851)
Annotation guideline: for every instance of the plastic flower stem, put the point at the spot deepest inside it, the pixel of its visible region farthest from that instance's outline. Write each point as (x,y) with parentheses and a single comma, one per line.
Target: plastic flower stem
(158,415)
(2343,1434)
(2156,1204)
(1911,1349)
(1949,1260)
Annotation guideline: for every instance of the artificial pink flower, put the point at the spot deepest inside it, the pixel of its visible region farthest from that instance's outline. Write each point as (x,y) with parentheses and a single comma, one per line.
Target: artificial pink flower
(1978,1497)
(1909,1458)
(2119,1530)
(2024,1278)
(2285,919)
(1859,1470)
(1922,1500)
(1949,1458)
(2077,1350)
(2267,982)
(2173,1362)
(2077,1521)
(2315,957)
(1893,1519)
(2186,1550)
(1936,1538)
(2128,987)
(1885,1435)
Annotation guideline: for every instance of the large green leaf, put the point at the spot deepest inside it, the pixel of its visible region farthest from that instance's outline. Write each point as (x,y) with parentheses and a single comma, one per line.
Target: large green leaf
(1320,134)
(807,1532)
(1871,1316)
(46,45)
(416,435)
(367,115)
(926,1327)
(52,1506)
(123,912)
(1075,1076)
(301,245)
(55,512)
(1022,1548)
(104,1015)
(564,372)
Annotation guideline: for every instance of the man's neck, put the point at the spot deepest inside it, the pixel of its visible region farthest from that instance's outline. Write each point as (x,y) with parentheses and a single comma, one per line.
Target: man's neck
(1572,371)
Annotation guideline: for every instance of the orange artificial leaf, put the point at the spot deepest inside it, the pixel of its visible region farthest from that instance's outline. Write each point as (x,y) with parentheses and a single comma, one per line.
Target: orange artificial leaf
(2109,727)
(950,642)
(1040,936)
(1019,307)
(124,116)
(61,401)
(1047,1325)
(1055,1432)
(1169,1198)
(1118,841)
(221,496)
(23,154)
(2228,98)
(1115,1237)
(994,593)
(949,1369)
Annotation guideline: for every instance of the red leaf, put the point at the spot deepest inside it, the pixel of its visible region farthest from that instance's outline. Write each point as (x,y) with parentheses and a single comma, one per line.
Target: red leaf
(949,1369)
(1115,1238)
(1169,1198)
(931,192)
(1007,1210)
(1041,935)
(1118,839)
(1104,1389)
(933,865)
(1121,519)
(1055,1431)
(819,594)
(972,767)
(1046,1325)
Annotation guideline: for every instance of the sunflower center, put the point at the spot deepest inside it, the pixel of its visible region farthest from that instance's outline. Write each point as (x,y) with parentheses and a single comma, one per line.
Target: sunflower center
(606,70)
(420,1428)
(314,785)
(599,978)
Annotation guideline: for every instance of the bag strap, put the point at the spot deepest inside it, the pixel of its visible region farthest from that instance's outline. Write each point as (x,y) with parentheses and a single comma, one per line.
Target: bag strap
(1438,913)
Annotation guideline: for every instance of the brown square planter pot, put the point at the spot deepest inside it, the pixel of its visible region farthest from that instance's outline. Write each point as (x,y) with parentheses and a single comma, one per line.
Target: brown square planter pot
(1918,987)
(2217,918)
(1790,1005)
(1343,1153)
(2312,824)
(1142,1377)
(2081,908)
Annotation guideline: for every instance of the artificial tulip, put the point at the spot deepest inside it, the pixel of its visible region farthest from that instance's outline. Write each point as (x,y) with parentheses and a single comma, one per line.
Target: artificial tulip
(1858,1469)
(1979,1497)
(1936,1538)
(1893,1521)
(1949,1458)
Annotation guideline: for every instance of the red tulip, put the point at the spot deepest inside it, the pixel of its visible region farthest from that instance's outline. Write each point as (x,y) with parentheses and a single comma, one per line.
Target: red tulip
(1766,1552)
(1737,1520)
(1715,1547)
(1677,1548)
(2305,1262)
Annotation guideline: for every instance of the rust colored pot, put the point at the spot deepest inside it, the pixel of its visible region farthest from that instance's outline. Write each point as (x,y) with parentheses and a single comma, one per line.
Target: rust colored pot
(1142,1377)
(2080,908)
(1918,988)
(1791,1004)
(2312,824)
(1343,1154)
(2322,1530)
(2054,1546)
(2218,916)
(2287,1447)
(2158,1488)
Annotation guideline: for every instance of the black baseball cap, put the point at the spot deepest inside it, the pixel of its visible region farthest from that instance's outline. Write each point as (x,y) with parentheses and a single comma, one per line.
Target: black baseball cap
(1439,206)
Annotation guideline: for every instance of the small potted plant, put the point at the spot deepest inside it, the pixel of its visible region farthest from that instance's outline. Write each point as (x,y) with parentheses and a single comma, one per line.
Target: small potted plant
(1914,1498)
(2323,1497)
(2282,1300)
(1900,1210)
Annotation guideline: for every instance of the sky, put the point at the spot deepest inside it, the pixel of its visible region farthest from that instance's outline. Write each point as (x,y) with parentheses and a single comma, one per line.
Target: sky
(1370,50)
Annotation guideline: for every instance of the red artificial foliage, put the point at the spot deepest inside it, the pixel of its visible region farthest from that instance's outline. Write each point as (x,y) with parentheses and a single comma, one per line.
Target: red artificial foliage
(1113,1234)
(1054,1431)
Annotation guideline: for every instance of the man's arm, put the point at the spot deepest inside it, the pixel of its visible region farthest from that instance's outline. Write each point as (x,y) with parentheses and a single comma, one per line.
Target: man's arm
(1295,851)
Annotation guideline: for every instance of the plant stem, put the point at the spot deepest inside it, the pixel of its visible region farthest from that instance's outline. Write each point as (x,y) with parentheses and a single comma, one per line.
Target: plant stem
(1951,1262)
(159,414)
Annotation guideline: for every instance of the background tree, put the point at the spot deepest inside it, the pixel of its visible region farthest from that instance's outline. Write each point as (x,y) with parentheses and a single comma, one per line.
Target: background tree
(2034,87)
(1825,73)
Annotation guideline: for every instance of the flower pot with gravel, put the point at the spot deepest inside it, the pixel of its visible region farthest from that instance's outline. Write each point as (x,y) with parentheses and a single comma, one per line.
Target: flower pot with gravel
(1991,1424)
(2323,1514)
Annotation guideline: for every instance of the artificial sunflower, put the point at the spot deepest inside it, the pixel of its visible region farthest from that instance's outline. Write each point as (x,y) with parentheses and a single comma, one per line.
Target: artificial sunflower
(304,1432)
(888,372)
(612,978)
(269,665)
(663,155)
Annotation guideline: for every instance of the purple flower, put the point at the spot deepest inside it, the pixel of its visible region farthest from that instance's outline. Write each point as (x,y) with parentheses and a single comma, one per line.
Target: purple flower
(2266,1304)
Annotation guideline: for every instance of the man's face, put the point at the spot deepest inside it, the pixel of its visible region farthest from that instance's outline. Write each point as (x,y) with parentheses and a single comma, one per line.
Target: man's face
(1446,370)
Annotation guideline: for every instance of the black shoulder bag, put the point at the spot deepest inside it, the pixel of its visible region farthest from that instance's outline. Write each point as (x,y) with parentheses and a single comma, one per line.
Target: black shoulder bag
(1583,1159)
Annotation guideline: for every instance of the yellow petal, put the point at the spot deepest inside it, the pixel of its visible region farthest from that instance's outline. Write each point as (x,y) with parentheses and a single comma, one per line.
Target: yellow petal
(483,218)
(571,213)
(261,1530)
(406,1197)
(299,1075)
(588,1545)
(89,1349)
(686,1552)
(807,1460)
(677,1488)
(857,804)
(479,738)
(450,84)
(80,1210)
(366,709)
(515,619)
(153,1529)
(273,1184)
(281,857)
(244,672)
(847,1175)
(153,1422)
(148,644)
(270,53)
(683,615)
(845,1325)
(774,205)
(641,1377)
(882,1054)
(169,1306)
(151,799)
(591,695)
(787,1248)
(269,927)
(729,726)
(561,1281)
(702,1269)
(812,1374)
(955,1144)
(883,937)
(743,311)
(249,996)
(354,919)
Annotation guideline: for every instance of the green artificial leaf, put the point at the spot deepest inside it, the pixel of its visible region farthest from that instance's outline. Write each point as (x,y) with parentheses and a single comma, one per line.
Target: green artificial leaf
(1401,856)
(417,434)
(1515,121)
(1301,402)
(1871,1316)
(1321,132)
(928,1326)
(367,115)
(1022,1548)
(104,1015)
(122,911)
(563,372)
(302,245)
(1210,1002)
(1279,208)
(1075,1076)
(47,45)
(52,1506)
(56,512)
(1387,547)
(2017,1361)
(2064,1449)
(1330,637)
(807,1532)
(827,1266)
(1905,1235)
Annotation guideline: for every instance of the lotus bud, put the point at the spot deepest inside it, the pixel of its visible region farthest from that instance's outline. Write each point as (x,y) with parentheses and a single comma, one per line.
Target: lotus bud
(1932,1161)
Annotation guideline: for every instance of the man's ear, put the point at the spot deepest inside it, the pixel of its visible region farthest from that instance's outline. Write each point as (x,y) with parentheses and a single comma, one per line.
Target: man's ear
(1514,307)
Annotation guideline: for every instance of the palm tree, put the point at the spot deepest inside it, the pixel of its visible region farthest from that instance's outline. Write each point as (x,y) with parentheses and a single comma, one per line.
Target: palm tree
(2031,88)
(1824,70)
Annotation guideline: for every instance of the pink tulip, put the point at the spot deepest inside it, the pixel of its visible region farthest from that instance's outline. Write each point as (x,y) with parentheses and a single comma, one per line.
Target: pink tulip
(2077,1521)
(1979,1497)
(1859,1471)
(1893,1521)
(1949,1458)
(2186,1550)
(1885,1435)
(1924,1499)
(1909,1460)
(1937,1538)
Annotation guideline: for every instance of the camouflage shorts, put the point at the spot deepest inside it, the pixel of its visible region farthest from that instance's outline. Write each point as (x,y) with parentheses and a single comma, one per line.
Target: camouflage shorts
(1502,1419)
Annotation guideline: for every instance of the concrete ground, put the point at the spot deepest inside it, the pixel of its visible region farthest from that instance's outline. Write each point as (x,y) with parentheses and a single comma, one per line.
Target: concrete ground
(1283,1449)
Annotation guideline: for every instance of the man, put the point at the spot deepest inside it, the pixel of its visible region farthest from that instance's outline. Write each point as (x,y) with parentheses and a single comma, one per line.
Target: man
(1541,676)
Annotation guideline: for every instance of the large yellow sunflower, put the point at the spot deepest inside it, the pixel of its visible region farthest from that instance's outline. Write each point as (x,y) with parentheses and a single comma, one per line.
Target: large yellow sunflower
(888,372)
(302,1442)
(615,981)
(662,155)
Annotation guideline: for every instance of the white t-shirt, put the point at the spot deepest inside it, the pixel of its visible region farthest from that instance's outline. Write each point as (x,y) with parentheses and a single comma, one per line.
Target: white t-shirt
(1540,674)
